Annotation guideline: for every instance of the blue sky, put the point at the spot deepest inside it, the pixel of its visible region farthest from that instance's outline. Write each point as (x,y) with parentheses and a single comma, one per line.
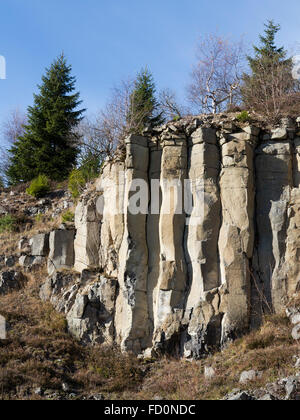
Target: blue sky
(107,40)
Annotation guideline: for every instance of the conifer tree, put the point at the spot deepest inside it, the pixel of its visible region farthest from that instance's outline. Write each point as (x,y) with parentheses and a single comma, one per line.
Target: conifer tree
(48,145)
(144,107)
(269,88)
(268,49)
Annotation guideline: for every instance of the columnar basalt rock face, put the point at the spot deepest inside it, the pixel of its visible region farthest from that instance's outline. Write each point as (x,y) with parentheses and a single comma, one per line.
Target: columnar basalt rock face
(172,279)
(132,320)
(153,238)
(236,237)
(195,234)
(110,206)
(273,192)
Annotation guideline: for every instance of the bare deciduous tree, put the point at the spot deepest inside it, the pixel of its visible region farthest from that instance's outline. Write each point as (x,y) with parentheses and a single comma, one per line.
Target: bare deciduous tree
(13,127)
(273,91)
(108,129)
(216,78)
(11,130)
(102,133)
(169,105)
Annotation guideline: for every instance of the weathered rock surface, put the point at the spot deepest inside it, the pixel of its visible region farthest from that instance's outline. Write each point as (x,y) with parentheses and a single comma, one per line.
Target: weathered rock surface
(87,242)
(61,255)
(11,281)
(87,300)
(39,245)
(194,234)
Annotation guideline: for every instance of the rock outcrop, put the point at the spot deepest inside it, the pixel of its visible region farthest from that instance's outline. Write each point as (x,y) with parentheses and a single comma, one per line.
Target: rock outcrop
(189,240)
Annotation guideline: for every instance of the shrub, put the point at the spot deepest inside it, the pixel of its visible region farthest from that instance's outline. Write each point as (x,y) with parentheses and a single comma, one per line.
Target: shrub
(91,166)
(39,218)
(77,181)
(243,116)
(68,216)
(39,187)
(7,223)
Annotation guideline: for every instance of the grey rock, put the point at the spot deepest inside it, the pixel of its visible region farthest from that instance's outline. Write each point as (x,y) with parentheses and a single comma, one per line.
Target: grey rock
(40,245)
(26,261)
(279,134)
(65,387)
(38,391)
(23,244)
(249,376)
(291,387)
(10,261)
(239,396)
(11,281)
(61,253)
(96,397)
(268,397)
(209,372)
(56,285)
(91,317)
(2,261)
(296,332)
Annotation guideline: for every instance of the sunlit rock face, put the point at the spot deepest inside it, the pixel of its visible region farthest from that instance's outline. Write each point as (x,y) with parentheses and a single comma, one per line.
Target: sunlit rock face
(194,236)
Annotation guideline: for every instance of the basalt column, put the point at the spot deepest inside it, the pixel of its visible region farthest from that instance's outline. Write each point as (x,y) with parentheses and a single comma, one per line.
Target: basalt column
(172,281)
(274,182)
(236,238)
(204,223)
(110,204)
(292,263)
(132,319)
(202,315)
(153,226)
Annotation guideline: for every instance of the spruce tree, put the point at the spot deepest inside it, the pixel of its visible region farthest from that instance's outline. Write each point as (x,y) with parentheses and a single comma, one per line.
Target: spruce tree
(268,49)
(48,145)
(269,85)
(144,107)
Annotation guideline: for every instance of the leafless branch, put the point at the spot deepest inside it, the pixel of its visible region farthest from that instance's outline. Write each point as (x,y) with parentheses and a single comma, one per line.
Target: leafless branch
(216,77)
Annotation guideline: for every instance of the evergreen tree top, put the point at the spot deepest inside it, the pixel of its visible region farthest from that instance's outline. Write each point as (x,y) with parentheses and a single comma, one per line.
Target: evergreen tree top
(49,145)
(144,89)
(144,107)
(268,47)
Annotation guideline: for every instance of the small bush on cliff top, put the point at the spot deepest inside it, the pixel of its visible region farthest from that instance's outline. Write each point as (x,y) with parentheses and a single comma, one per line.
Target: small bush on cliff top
(39,186)
(243,116)
(68,216)
(77,181)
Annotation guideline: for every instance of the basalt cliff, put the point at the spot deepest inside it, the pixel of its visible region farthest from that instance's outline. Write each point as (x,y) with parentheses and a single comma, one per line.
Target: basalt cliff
(164,279)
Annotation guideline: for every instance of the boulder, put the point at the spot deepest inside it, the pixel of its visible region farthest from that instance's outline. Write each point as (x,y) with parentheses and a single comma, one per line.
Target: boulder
(11,281)
(209,372)
(250,376)
(91,317)
(40,245)
(3,328)
(10,261)
(296,332)
(61,255)
(26,261)
(87,241)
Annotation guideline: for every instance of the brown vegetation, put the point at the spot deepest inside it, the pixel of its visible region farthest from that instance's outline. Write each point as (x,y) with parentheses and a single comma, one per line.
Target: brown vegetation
(40,353)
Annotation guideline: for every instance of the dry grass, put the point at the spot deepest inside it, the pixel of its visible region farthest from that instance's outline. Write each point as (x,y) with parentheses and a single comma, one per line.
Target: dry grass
(9,240)
(40,353)
(270,349)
